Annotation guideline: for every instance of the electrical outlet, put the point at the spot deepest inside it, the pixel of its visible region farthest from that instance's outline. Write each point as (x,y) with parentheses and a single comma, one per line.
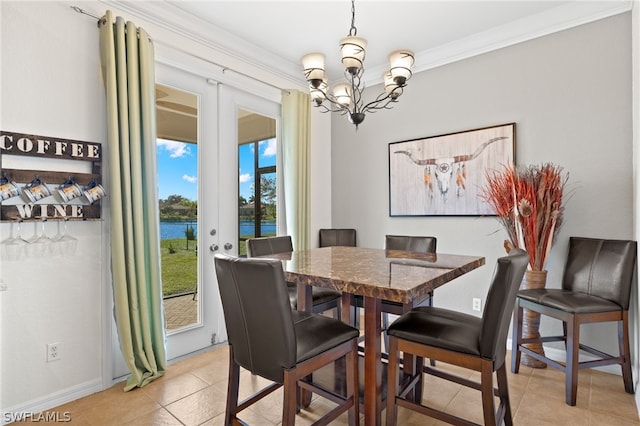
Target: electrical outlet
(476,304)
(53,352)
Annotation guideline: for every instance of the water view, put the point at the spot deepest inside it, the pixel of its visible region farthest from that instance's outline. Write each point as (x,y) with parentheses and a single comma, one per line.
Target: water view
(173,230)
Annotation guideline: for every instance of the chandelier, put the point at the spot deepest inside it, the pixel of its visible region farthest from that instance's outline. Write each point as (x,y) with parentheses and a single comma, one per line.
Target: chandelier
(346,98)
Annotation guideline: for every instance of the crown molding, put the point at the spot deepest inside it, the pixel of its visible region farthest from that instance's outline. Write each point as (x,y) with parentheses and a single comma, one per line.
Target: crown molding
(554,20)
(248,58)
(230,52)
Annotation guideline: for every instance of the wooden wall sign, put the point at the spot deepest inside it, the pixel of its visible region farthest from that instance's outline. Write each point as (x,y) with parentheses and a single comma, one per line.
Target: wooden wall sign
(49,151)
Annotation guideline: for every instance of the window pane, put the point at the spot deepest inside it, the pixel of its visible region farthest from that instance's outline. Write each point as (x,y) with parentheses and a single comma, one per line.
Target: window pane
(246,204)
(267,156)
(177,154)
(257,177)
(268,204)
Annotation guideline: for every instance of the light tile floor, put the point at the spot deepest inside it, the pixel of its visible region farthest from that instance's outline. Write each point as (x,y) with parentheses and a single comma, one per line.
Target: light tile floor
(192,392)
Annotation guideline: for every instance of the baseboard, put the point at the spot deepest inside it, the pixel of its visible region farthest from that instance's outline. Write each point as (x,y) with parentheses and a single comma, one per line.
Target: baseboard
(30,409)
(560,355)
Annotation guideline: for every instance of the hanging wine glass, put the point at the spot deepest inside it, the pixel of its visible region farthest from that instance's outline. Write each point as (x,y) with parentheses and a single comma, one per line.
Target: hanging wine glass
(13,247)
(66,243)
(55,246)
(40,244)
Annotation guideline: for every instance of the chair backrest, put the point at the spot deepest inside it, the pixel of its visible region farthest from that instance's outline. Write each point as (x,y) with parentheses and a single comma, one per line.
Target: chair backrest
(269,245)
(257,313)
(602,268)
(411,243)
(337,237)
(498,309)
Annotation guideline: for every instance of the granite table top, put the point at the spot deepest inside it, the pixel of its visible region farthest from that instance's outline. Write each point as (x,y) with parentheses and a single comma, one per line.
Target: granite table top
(395,275)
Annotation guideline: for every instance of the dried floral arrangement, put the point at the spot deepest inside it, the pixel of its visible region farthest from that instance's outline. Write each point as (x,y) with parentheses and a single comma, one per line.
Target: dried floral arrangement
(528,201)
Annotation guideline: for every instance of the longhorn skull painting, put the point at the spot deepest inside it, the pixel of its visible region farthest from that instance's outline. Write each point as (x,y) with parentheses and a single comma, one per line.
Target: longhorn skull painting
(444,175)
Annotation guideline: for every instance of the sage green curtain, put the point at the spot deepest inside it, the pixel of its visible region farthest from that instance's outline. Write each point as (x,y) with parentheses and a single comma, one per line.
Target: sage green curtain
(127,59)
(296,147)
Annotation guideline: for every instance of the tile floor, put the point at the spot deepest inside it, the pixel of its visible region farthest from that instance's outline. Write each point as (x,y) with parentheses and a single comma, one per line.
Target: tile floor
(180,311)
(192,392)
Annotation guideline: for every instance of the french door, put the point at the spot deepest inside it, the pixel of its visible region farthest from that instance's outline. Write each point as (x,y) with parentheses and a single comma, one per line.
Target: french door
(200,119)
(220,109)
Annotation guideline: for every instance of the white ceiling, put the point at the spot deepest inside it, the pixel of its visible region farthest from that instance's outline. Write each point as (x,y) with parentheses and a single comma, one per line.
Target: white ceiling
(278,33)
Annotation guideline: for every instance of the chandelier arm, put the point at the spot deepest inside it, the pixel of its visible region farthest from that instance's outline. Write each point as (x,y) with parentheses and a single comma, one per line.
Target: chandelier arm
(338,108)
(373,105)
(333,101)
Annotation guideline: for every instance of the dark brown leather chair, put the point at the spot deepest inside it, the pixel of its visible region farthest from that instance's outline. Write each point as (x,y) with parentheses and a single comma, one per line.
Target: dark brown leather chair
(337,237)
(419,244)
(596,287)
(460,339)
(284,346)
(324,299)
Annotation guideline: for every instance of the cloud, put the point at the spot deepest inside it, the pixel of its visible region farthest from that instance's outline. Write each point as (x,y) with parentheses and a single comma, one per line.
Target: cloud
(177,149)
(246,177)
(270,149)
(190,179)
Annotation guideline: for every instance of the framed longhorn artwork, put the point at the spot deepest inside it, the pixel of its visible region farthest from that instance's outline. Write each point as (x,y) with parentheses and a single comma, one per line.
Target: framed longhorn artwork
(445,175)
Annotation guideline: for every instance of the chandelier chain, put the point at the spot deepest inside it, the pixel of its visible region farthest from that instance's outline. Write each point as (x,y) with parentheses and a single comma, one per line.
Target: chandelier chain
(353,31)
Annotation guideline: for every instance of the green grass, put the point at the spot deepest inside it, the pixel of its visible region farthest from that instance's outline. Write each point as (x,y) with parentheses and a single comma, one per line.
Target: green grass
(179,269)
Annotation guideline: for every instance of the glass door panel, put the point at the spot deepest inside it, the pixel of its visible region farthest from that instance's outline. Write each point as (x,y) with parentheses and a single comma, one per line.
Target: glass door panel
(177,153)
(257,158)
(186,108)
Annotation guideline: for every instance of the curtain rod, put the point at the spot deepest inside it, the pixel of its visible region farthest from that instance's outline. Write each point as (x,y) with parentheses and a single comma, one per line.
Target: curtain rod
(223,67)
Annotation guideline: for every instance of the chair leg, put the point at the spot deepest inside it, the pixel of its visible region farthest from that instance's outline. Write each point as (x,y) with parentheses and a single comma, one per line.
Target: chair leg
(573,352)
(233,387)
(516,337)
(353,390)
(417,391)
(290,403)
(623,344)
(392,382)
(503,392)
(486,387)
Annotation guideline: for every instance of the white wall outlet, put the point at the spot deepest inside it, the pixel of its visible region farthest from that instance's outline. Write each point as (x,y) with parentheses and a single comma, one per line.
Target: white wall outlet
(53,352)
(477,304)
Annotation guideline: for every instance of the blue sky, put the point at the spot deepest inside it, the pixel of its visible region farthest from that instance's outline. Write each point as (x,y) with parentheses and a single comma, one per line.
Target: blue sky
(178,167)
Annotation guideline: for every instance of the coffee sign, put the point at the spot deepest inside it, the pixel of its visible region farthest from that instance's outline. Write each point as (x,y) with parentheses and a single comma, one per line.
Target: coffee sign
(42,146)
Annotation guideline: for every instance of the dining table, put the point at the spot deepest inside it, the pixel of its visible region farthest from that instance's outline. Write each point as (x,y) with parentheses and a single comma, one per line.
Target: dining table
(376,275)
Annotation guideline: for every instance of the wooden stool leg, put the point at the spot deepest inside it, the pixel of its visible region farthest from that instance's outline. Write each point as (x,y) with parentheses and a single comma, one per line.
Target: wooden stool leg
(290,404)
(486,385)
(623,344)
(503,392)
(233,387)
(393,382)
(516,337)
(573,350)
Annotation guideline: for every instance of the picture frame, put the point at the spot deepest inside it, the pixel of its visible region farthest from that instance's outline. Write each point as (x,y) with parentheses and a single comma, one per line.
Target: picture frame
(444,175)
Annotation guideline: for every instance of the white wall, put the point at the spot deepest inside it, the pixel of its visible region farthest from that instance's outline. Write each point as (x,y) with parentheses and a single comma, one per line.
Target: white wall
(51,87)
(569,93)
(570,96)
(635,45)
